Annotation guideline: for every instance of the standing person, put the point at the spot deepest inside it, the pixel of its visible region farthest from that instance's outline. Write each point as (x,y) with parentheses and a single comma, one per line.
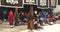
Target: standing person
(40,19)
(11,18)
(4,15)
(44,17)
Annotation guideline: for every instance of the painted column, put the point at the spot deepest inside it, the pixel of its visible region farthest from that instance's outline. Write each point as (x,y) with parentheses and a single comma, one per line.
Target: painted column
(16,17)
(31,23)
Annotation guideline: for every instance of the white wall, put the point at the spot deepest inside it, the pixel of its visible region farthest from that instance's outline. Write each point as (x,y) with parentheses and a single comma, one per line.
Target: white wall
(57,9)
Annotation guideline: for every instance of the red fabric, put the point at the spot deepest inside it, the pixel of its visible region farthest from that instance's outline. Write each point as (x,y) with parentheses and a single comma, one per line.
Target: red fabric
(53,17)
(11,18)
(48,19)
(11,21)
(25,14)
(10,15)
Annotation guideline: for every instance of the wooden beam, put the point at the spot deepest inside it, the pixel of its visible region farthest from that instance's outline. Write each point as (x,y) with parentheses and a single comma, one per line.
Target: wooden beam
(31,23)
(16,17)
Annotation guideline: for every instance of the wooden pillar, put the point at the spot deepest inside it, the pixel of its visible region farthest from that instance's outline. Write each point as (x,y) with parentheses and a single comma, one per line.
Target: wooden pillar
(49,3)
(16,17)
(16,12)
(30,22)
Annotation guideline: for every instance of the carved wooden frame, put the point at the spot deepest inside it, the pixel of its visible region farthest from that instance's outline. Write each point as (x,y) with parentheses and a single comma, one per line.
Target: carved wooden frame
(54,5)
(28,2)
(42,7)
(5,4)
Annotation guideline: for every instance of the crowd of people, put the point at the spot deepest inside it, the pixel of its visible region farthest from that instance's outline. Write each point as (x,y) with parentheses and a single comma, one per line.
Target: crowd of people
(42,18)
(39,18)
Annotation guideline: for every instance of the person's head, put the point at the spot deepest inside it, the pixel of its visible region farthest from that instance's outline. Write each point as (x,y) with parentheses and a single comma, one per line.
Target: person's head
(22,13)
(10,11)
(19,13)
(39,13)
(35,12)
(4,12)
(48,15)
(43,12)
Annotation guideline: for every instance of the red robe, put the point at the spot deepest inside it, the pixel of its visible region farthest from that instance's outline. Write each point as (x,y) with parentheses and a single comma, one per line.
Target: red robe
(25,14)
(53,17)
(48,19)
(11,18)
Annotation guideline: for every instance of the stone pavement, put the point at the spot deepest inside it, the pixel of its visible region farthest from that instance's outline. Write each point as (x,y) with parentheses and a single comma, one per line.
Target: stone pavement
(48,28)
(4,27)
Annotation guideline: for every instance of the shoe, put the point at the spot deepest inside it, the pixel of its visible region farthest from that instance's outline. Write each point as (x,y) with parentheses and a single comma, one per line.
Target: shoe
(51,23)
(11,26)
(43,24)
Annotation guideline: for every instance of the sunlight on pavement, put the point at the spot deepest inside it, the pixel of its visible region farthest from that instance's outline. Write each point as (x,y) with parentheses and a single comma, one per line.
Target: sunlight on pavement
(9,30)
(14,29)
(49,28)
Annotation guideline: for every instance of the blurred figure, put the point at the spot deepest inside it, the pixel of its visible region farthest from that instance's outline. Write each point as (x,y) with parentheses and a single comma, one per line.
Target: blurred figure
(48,19)
(44,17)
(37,25)
(22,17)
(35,14)
(40,19)
(11,18)
(53,18)
(25,14)
(50,13)
(57,17)
(4,16)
